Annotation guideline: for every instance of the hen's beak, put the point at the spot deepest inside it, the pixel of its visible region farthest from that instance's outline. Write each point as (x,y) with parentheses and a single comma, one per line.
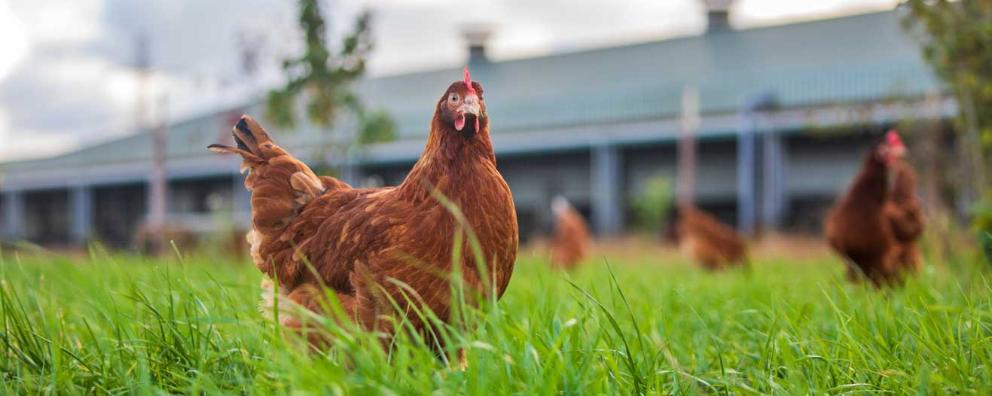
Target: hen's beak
(469,108)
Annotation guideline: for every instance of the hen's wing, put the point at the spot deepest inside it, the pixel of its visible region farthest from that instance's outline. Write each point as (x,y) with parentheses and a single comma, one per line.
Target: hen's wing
(906,221)
(902,210)
(377,250)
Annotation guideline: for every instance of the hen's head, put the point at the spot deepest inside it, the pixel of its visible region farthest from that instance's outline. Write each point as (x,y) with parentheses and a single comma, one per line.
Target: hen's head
(462,108)
(891,149)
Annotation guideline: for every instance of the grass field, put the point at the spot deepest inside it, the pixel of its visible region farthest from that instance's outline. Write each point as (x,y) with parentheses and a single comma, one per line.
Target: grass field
(121,324)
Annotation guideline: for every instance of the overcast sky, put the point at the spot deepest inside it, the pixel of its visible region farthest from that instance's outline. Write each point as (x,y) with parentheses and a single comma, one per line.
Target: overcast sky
(66,66)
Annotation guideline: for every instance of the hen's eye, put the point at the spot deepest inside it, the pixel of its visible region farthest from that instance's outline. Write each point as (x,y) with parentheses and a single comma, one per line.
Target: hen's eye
(453,97)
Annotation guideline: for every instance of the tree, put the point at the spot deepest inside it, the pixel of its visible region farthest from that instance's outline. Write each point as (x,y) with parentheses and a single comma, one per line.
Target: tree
(652,204)
(956,37)
(324,78)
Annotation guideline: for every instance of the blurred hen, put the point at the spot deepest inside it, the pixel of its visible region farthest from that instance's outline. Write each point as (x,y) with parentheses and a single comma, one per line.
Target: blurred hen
(705,240)
(570,242)
(859,227)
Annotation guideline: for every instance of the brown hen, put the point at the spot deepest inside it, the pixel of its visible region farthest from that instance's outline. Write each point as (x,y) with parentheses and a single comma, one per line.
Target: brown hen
(705,240)
(570,242)
(375,247)
(858,228)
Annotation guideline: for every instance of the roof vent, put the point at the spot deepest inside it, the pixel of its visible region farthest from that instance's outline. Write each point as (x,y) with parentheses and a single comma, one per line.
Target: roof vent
(477,36)
(717,15)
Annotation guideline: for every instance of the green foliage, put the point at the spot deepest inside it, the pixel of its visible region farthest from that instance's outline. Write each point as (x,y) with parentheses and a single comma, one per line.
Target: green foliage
(652,203)
(655,325)
(957,42)
(982,214)
(986,238)
(324,76)
(376,127)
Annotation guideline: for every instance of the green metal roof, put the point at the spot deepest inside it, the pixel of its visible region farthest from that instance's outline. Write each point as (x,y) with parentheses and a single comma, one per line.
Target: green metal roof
(850,59)
(855,58)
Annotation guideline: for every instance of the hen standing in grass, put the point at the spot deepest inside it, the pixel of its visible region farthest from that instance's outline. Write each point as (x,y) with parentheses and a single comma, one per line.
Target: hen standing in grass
(376,247)
(570,242)
(705,240)
(858,228)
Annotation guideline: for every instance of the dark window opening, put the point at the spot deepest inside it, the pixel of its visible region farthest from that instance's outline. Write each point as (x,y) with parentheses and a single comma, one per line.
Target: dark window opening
(46,217)
(119,211)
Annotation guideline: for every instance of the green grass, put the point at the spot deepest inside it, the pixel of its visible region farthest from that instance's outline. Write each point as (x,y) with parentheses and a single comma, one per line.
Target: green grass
(122,324)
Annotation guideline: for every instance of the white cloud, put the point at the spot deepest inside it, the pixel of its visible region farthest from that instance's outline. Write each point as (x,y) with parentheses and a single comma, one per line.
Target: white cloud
(60,21)
(13,39)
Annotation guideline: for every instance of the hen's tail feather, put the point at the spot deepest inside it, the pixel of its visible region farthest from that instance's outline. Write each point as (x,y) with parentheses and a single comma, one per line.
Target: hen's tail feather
(280,185)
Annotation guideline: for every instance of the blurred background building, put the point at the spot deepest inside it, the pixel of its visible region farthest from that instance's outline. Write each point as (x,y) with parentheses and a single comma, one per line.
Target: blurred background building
(785,114)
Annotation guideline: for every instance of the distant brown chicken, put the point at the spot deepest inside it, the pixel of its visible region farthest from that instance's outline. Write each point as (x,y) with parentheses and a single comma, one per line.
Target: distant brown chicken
(705,240)
(570,242)
(905,215)
(384,252)
(859,228)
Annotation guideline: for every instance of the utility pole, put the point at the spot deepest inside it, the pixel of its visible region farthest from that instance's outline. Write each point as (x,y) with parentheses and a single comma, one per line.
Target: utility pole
(687,146)
(141,65)
(155,222)
(933,131)
(158,191)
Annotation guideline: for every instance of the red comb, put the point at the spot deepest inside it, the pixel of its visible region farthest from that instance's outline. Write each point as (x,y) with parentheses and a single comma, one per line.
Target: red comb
(468,82)
(893,139)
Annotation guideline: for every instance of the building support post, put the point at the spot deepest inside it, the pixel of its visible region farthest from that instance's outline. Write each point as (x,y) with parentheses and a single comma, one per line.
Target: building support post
(747,130)
(81,209)
(745,172)
(773,179)
(686,181)
(13,215)
(607,208)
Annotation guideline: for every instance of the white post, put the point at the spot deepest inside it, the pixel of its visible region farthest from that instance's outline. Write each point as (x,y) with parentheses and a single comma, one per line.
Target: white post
(687,146)
(13,215)
(606,186)
(158,189)
(81,208)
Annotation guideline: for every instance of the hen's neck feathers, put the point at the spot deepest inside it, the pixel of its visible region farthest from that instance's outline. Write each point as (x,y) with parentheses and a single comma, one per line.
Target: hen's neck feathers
(904,185)
(451,162)
(871,184)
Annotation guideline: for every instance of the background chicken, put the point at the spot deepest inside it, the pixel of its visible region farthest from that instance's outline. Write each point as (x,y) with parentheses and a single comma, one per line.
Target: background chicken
(570,242)
(905,215)
(362,242)
(705,240)
(858,227)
